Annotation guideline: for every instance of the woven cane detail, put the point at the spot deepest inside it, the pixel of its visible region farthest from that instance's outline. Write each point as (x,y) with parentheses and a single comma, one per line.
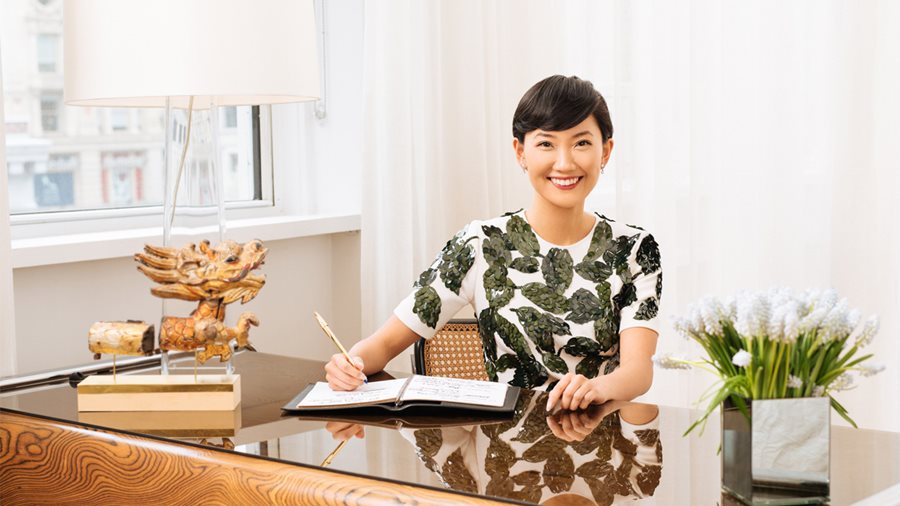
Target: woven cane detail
(455,352)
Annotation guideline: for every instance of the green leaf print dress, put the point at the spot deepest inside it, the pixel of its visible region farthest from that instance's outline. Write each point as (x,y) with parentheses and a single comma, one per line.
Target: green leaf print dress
(543,310)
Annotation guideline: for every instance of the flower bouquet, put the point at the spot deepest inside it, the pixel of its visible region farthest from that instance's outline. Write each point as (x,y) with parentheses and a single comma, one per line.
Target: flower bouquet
(776,344)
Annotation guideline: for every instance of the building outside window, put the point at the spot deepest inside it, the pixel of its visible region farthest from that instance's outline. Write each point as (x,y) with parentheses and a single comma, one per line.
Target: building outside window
(47,52)
(50,106)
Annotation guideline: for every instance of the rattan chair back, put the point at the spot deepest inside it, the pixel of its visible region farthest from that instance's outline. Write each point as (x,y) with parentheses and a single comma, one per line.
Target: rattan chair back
(455,351)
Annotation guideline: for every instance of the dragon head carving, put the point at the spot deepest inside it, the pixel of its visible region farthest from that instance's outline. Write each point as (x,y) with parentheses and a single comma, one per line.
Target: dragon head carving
(223,272)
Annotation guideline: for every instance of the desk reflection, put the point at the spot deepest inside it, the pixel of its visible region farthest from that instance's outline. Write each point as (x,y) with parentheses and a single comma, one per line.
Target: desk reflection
(604,455)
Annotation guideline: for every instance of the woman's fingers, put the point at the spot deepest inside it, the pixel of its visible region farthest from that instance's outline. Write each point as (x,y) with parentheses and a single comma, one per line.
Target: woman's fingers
(553,399)
(341,375)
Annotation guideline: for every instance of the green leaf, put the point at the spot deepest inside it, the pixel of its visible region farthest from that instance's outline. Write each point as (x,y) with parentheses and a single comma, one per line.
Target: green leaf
(426,278)
(427,306)
(543,449)
(585,307)
(626,296)
(557,269)
(600,241)
(522,237)
(457,475)
(624,273)
(532,322)
(554,363)
(457,258)
(648,309)
(545,298)
(507,361)
(498,288)
(429,441)
(659,286)
(618,252)
(589,366)
(511,336)
(595,271)
(530,373)
(581,347)
(527,265)
(648,255)
(541,327)
(606,330)
(495,251)
(486,329)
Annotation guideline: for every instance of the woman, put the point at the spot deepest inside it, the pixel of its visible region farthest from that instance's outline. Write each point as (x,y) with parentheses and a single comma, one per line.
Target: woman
(566,300)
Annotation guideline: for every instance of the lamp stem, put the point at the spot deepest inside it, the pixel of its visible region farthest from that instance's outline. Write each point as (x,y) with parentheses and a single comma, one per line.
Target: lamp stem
(184,150)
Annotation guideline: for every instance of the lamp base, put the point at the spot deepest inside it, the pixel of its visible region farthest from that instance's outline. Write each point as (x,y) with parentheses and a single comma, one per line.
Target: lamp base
(179,424)
(208,392)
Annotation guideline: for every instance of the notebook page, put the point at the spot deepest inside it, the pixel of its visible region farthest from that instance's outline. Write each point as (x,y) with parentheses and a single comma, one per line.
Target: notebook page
(369,393)
(431,388)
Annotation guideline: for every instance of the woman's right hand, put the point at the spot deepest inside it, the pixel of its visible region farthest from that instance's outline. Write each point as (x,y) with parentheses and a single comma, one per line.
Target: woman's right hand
(342,375)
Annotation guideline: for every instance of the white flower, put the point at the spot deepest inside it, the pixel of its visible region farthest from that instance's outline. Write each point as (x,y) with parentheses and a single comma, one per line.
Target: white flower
(681,326)
(819,391)
(696,321)
(741,358)
(794,382)
(870,370)
(775,329)
(670,361)
(870,328)
(842,382)
(811,322)
(835,323)
(752,314)
(791,326)
(711,313)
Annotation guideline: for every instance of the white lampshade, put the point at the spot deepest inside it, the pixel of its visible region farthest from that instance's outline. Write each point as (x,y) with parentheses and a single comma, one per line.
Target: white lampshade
(136,53)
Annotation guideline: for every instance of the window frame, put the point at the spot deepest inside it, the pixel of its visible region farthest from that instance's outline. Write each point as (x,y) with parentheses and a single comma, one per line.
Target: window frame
(47,224)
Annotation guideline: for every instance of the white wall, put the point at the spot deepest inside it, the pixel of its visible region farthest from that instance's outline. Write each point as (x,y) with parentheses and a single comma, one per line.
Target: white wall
(7,307)
(56,304)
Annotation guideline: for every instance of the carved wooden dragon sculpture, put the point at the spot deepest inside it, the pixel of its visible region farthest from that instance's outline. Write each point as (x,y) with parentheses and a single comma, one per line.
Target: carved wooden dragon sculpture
(213,276)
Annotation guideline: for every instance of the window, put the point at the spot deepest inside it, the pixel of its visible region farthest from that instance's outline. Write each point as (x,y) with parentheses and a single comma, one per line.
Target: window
(64,158)
(118,119)
(47,52)
(50,103)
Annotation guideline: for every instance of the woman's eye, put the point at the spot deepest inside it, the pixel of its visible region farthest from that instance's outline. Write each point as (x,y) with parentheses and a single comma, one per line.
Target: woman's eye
(584,143)
(545,144)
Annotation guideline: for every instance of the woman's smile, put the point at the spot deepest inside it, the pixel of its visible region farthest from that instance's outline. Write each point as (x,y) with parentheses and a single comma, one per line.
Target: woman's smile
(565,183)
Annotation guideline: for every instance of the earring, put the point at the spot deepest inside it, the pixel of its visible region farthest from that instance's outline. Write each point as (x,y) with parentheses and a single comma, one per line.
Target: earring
(602,168)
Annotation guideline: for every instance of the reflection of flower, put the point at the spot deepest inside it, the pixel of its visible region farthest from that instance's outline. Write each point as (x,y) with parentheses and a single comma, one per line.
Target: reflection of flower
(777,344)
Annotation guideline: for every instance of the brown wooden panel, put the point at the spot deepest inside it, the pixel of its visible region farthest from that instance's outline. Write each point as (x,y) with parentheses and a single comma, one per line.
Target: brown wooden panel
(48,462)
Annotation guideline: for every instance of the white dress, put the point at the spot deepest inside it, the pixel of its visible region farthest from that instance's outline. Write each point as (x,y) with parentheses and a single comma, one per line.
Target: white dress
(543,310)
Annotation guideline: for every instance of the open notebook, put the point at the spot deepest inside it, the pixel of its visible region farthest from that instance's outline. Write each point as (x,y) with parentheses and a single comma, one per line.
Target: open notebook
(403,393)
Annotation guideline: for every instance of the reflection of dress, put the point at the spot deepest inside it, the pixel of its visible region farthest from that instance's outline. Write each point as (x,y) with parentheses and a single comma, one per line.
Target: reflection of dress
(543,310)
(522,459)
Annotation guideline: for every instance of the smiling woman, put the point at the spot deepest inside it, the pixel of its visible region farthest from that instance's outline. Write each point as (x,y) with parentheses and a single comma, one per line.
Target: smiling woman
(566,299)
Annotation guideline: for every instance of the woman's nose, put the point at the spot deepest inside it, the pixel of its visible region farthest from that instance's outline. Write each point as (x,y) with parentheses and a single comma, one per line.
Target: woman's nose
(563,160)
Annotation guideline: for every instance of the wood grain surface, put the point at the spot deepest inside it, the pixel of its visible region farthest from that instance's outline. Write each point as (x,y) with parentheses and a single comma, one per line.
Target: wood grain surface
(43,461)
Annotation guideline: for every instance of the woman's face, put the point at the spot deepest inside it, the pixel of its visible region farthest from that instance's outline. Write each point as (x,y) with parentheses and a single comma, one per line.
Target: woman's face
(563,166)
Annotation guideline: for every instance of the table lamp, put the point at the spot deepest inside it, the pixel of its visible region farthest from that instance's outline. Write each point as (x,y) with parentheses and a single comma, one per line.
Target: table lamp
(189,57)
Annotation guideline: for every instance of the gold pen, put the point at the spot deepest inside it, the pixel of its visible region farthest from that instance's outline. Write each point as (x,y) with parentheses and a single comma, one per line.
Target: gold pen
(333,454)
(329,333)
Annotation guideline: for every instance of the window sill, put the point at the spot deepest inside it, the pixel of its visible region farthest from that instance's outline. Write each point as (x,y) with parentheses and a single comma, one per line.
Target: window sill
(61,249)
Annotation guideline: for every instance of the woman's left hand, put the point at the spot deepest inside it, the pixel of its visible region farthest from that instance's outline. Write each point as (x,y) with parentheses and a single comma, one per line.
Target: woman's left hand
(575,391)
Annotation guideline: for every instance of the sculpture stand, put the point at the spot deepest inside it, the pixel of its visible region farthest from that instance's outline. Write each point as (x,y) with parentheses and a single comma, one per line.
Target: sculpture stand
(173,392)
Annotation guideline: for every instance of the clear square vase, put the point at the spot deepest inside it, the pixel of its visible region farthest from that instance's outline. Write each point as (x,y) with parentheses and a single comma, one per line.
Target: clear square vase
(780,455)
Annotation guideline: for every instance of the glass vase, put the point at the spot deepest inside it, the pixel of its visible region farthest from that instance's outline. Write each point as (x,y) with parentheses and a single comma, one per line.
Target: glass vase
(780,455)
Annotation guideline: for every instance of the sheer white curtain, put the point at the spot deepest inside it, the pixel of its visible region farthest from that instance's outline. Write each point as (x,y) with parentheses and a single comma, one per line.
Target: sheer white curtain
(7,314)
(757,140)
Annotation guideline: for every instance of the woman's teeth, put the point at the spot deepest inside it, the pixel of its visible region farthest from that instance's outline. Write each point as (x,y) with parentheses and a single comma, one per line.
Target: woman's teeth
(564,182)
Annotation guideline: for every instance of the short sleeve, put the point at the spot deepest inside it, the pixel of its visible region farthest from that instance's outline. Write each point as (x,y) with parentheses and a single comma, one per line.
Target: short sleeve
(641,306)
(445,287)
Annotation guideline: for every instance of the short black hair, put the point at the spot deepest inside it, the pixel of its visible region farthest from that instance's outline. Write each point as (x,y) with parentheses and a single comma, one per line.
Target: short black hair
(559,103)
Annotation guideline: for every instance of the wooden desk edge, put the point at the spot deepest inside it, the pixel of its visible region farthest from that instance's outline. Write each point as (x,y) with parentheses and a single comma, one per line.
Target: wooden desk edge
(44,461)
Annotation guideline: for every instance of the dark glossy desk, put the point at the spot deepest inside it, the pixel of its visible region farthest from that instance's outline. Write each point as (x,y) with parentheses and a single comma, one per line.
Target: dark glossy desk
(51,454)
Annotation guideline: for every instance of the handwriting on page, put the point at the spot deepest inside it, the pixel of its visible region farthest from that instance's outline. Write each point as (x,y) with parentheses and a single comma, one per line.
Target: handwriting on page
(430,388)
(371,393)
